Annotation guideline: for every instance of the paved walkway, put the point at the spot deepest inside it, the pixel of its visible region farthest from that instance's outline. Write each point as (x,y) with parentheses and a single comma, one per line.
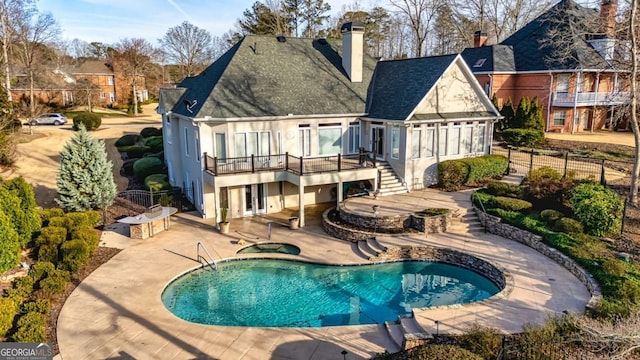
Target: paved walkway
(116,312)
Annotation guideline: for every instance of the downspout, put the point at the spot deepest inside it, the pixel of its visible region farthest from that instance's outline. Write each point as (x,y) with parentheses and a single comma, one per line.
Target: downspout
(597,91)
(575,102)
(548,123)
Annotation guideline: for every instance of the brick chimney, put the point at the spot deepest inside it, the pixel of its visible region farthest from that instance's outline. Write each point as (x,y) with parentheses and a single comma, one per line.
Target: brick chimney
(479,38)
(608,10)
(353,49)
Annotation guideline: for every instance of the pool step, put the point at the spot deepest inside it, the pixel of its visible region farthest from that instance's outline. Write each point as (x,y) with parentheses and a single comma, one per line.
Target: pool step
(364,248)
(375,245)
(396,334)
(356,249)
(414,334)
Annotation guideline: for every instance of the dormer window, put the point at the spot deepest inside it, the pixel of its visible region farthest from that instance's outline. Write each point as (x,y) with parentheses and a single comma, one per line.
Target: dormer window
(479,63)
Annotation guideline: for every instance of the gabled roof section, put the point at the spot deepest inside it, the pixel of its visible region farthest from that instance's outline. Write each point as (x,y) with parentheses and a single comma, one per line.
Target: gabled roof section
(495,58)
(398,86)
(556,40)
(264,77)
(168,98)
(94,67)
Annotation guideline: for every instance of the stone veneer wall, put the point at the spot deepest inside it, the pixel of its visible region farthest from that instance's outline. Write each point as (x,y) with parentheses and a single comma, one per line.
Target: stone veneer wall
(428,224)
(494,225)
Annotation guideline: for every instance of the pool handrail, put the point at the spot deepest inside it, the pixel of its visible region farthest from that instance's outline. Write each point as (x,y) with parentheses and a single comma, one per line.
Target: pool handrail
(212,263)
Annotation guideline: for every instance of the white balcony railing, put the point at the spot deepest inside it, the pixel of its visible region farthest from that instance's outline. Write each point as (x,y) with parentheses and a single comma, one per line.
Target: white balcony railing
(590,99)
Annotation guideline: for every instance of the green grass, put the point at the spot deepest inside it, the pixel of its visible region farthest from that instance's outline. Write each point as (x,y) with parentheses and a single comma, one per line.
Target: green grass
(71,114)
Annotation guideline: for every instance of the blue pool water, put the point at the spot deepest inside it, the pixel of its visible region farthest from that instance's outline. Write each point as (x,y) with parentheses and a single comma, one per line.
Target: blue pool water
(281,293)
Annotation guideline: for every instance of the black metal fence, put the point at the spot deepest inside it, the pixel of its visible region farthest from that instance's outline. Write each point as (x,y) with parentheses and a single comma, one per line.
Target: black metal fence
(137,199)
(522,162)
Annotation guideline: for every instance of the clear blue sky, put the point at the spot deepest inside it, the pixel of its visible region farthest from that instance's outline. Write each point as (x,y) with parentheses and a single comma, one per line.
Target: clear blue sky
(108,21)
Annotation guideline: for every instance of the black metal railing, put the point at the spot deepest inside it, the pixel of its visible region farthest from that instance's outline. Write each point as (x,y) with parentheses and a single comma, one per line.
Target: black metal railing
(286,162)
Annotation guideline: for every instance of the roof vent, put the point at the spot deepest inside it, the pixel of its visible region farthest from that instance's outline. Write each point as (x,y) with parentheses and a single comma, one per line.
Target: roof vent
(281,38)
(322,41)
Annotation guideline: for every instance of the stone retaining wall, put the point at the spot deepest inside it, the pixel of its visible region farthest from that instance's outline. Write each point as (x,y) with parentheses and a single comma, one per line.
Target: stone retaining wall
(372,221)
(494,225)
(499,277)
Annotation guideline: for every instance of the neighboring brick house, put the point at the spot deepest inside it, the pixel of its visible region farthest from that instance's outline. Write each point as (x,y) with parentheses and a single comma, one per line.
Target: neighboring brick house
(577,85)
(279,122)
(62,86)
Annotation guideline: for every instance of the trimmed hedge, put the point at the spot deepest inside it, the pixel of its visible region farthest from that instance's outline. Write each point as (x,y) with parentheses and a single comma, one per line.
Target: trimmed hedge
(127,140)
(74,255)
(9,244)
(452,174)
(42,306)
(46,214)
(89,236)
(497,188)
(568,226)
(40,270)
(52,235)
(523,137)
(150,132)
(510,204)
(155,143)
(22,288)
(159,155)
(550,216)
(91,121)
(157,182)
(127,166)
(8,311)
(147,166)
(31,328)
(135,151)
(55,282)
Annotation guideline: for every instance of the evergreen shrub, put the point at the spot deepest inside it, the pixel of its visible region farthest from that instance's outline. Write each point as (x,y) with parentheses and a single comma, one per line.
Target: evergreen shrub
(91,121)
(497,188)
(568,226)
(597,208)
(40,270)
(127,140)
(42,306)
(74,255)
(9,244)
(155,143)
(147,166)
(55,282)
(157,182)
(46,214)
(523,137)
(31,328)
(127,166)
(87,235)
(550,216)
(510,204)
(8,311)
(135,151)
(150,132)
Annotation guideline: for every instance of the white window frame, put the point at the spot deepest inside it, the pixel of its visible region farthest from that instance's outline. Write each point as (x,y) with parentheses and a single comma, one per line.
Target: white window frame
(430,151)
(395,141)
(469,133)
(416,142)
(112,96)
(304,140)
(455,145)
(563,83)
(196,136)
(481,138)
(168,129)
(102,95)
(443,140)
(556,117)
(353,138)
(110,80)
(186,141)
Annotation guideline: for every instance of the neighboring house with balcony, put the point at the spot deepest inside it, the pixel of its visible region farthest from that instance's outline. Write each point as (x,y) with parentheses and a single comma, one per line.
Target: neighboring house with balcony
(572,76)
(281,122)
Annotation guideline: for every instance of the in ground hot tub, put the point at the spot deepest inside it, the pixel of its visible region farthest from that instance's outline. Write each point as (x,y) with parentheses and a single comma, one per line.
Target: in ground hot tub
(270,248)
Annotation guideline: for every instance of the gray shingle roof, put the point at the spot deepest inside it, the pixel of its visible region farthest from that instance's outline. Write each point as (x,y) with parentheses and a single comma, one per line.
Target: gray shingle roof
(261,77)
(497,58)
(398,86)
(533,50)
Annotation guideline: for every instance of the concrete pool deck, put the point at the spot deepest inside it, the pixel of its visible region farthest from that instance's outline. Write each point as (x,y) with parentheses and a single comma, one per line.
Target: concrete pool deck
(116,312)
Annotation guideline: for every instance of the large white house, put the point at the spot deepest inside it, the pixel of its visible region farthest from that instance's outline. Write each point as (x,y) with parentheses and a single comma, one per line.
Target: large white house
(279,122)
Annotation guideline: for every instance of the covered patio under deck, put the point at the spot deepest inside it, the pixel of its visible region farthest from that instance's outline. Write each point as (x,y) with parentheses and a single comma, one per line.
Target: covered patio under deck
(299,171)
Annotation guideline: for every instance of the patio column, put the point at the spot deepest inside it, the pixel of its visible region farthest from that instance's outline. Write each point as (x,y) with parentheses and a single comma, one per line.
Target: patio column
(339,194)
(301,204)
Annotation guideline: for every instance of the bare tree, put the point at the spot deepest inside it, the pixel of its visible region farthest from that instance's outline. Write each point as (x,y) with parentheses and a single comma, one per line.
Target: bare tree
(633,87)
(421,15)
(188,46)
(11,11)
(34,32)
(132,57)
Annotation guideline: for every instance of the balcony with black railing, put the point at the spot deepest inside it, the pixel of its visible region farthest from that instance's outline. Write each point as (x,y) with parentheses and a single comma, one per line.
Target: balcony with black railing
(562,99)
(285,162)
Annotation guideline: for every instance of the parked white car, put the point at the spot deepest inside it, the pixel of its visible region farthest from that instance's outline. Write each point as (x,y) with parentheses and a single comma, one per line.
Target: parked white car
(49,119)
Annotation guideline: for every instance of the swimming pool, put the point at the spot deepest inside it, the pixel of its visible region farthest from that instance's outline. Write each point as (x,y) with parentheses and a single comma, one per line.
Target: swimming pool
(270,247)
(283,293)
